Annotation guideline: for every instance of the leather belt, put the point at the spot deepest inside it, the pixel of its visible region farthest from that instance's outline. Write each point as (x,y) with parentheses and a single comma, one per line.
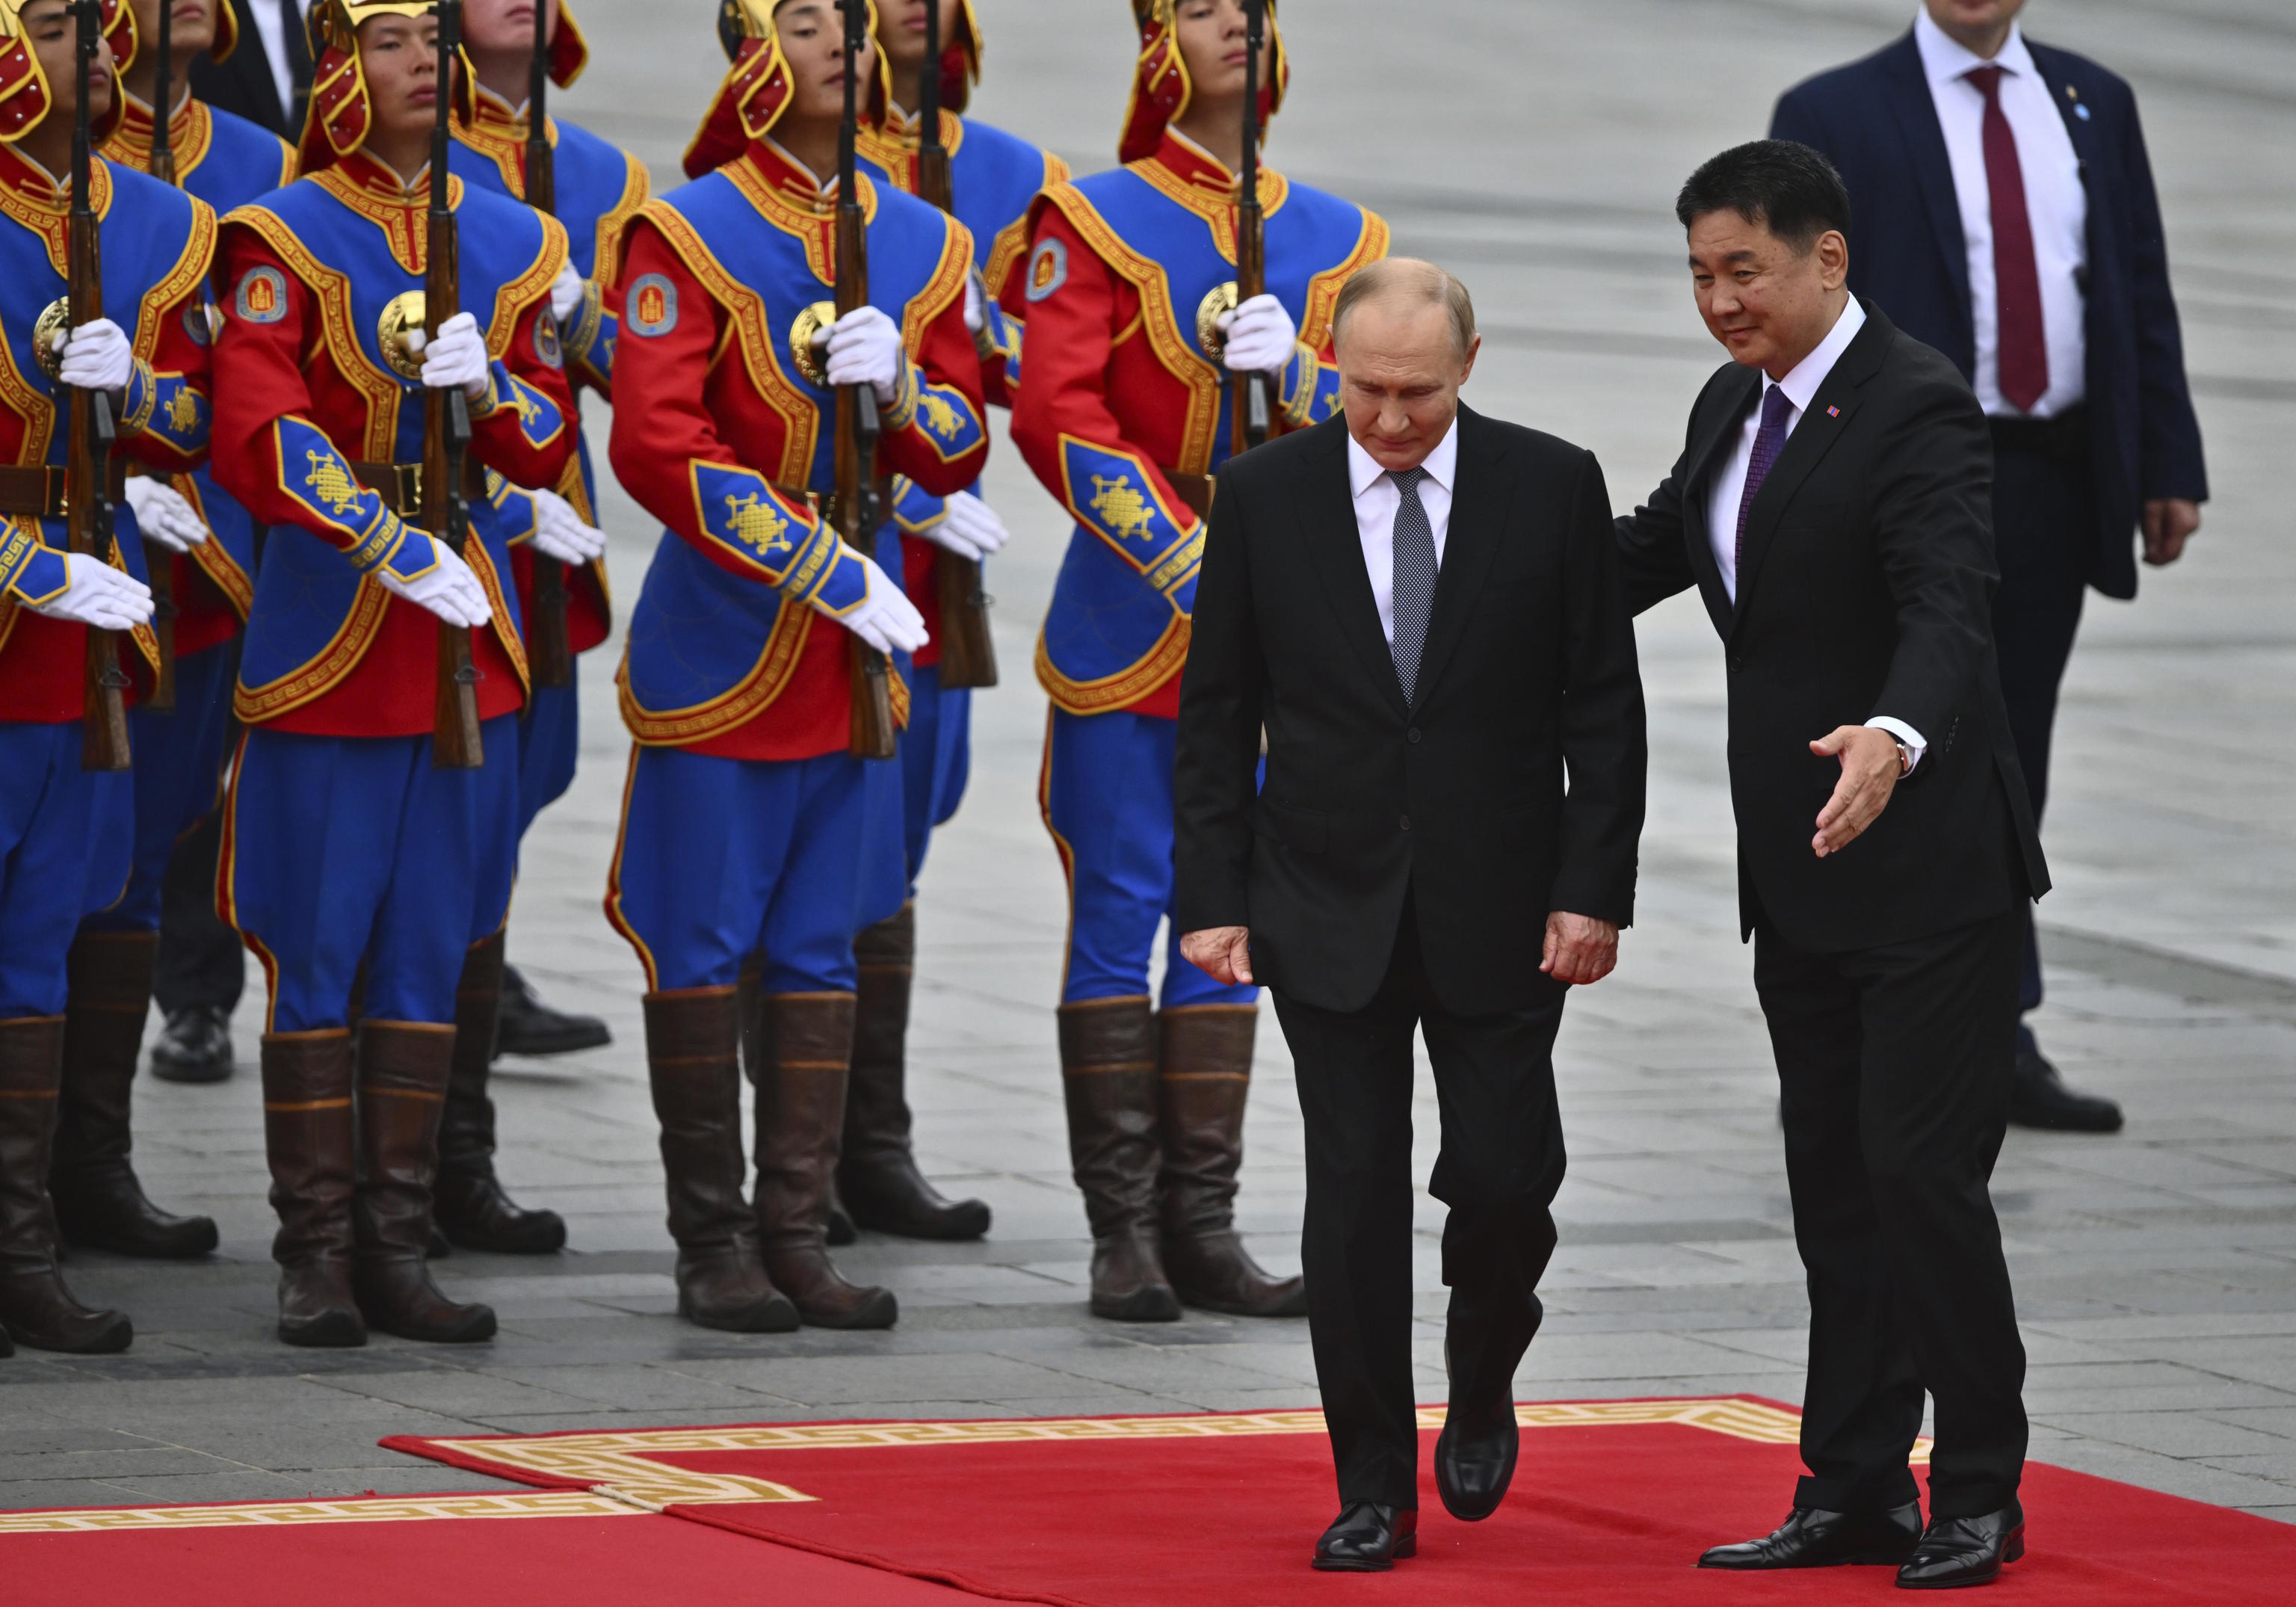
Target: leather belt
(2062,438)
(400,485)
(42,492)
(1193,489)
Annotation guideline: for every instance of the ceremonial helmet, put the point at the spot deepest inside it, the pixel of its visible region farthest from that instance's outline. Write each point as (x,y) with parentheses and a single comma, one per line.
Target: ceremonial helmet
(569,51)
(25,97)
(128,38)
(960,58)
(1160,88)
(341,113)
(756,91)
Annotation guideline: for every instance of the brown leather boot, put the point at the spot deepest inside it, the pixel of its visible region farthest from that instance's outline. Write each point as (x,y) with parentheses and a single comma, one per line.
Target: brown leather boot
(402,1093)
(472,1208)
(99,1201)
(1204,1070)
(808,1046)
(752,1004)
(36,1309)
(692,1041)
(877,1177)
(1108,1073)
(307,1135)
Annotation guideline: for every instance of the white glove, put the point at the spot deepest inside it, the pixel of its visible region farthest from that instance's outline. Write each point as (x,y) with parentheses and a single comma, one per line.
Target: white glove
(449,591)
(971,528)
(560,533)
(164,515)
(96,593)
(865,347)
(96,356)
(566,292)
(458,357)
(1260,336)
(886,620)
(976,315)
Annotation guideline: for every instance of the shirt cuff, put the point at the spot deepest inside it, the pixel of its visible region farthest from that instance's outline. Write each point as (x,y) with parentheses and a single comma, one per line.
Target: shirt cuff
(1914,743)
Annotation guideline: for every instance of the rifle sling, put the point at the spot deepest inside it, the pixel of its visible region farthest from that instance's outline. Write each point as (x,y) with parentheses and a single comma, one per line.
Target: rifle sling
(42,492)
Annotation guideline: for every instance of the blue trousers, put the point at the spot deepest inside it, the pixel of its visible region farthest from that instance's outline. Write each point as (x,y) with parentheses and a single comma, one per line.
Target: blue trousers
(179,765)
(67,837)
(720,858)
(936,762)
(1107,800)
(338,849)
(549,742)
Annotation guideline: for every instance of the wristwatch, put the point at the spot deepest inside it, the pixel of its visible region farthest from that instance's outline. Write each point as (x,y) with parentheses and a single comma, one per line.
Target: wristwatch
(1904,759)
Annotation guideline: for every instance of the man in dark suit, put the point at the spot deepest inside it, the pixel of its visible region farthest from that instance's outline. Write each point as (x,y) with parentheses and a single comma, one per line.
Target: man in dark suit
(2006,217)
(1420,607)
(1831,507)
(268,78)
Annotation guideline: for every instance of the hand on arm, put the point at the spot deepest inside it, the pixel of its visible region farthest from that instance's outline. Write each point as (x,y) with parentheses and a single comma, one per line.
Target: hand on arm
(1223,954)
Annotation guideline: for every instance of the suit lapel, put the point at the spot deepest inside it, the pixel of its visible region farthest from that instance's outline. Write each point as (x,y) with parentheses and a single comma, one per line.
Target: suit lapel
(2074,113)
(1916,113)
(1478,517)
(1333,541)
(1719,433)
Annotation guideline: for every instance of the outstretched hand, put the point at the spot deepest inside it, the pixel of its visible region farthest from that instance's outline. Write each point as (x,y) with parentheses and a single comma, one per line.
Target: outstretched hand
(1580,948)
(1222,953)
(1870,766)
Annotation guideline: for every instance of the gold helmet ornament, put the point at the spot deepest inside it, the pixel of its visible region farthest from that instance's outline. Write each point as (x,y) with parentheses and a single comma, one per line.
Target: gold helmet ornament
(1160,89)
(128,48)
(341,111)
(757,87)
(25,97)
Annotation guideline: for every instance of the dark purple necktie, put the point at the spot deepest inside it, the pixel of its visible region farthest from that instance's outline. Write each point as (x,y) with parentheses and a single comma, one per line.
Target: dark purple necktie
(2022,338)
(1769,440)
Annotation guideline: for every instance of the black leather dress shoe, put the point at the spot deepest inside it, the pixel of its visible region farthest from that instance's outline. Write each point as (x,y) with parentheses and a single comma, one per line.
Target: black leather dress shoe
(194,1047)
(1474,1455)
(1958,1552)
(2039,1098)
(1368,1539)
(528,1026)
(1812,1538)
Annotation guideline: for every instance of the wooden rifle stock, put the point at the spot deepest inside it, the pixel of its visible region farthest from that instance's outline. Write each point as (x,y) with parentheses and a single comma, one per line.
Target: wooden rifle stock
(1251,423)
(159,560)
(551,643)
(103,738)
(454,739)
(875,735)
(968,650)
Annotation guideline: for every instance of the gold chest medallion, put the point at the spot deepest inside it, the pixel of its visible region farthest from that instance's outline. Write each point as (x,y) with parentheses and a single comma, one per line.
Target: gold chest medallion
(1217,302)
(406,312)
(55,319)
(812,361)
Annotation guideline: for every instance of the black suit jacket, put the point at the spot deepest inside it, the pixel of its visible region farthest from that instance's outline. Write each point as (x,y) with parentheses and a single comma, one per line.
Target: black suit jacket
(1876,121)
(1866,589)
(1460,800)
(243,83)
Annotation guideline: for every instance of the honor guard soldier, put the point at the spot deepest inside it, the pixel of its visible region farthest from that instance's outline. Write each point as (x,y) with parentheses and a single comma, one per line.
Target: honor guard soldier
(593,190)
(1130,293)
(200,545)
(352,857)
(67,804)
(739,684)
(991,177)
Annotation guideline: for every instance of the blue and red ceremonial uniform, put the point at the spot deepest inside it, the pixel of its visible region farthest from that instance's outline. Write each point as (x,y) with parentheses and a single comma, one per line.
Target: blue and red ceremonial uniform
(735,687)
(343,842)
(599,189)
(180,757)
(1125,416)
(67,834)
(993,177)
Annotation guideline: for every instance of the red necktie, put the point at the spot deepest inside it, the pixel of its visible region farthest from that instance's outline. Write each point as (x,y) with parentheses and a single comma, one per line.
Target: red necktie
(2025,346)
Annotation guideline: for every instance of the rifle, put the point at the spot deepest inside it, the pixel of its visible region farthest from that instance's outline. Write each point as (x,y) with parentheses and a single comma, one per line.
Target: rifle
(552,646)
(875,734)
(455,740)
(968,652)
(159,561)
(1250,421)
(87,476)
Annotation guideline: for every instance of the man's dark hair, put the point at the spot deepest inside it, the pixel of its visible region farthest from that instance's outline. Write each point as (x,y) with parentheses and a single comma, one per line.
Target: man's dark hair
(1789,187)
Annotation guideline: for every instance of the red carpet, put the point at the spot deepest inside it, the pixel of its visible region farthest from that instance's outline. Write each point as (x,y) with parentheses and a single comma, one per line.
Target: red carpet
(1612,1502)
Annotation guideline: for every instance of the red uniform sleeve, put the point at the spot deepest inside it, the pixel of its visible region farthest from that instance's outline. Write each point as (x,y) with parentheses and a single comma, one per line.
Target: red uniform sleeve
(936,432)
(524,429)
(170,406)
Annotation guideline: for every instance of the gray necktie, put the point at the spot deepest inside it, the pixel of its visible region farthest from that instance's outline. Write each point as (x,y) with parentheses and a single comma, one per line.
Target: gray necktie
(1415,578)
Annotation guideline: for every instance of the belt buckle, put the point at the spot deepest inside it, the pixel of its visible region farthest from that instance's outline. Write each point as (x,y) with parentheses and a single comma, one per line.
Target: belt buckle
(411,500)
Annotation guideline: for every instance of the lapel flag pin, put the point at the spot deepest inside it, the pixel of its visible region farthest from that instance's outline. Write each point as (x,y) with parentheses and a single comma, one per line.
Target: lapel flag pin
(1834,413)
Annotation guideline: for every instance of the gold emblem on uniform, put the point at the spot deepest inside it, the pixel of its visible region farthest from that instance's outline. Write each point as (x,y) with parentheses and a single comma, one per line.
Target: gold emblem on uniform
(55,319)
(1121,507)
(184,411)
(1219,301)
(812,361)
(332,483)
(757,524)
(938,416)
(404,313)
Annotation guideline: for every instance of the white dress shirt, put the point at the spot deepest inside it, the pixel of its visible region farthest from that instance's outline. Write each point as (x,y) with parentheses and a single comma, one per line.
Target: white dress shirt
(1801,385)
(1377,498)
(273,19)
(2055,205)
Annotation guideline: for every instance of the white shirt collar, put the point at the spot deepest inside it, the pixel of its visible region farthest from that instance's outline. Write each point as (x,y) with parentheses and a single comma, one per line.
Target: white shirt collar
(1944,58)
(1802,382)
(1442,464)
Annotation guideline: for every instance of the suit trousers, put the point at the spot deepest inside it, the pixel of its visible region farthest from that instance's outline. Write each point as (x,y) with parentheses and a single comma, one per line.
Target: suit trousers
(2045,528)
(1500,1166)
(1894,1069)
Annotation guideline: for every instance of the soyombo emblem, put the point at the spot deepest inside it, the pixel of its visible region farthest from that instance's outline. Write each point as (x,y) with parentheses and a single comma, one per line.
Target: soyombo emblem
(651,307)
(757,525)
(262,297)
(1121,507)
